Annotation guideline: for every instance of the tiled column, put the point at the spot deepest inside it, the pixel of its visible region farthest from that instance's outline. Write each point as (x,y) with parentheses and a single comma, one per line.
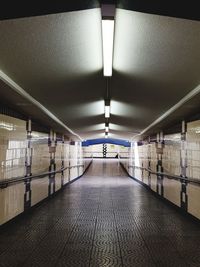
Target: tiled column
(62,161)
(142,172)
(52,166)
(69,162)
(149,161)
(77,155)
(184,196)
(132,163)
(159,167)
(28,161)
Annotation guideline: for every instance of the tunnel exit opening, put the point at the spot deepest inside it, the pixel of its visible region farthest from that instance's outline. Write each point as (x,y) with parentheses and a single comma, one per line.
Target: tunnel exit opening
(106,147)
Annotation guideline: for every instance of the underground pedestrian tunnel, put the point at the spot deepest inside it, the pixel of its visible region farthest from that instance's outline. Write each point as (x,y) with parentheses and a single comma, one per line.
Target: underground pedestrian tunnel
(100,134)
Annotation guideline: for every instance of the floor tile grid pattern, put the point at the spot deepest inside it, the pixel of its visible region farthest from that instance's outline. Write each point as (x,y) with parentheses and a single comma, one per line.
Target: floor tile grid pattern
(103,219)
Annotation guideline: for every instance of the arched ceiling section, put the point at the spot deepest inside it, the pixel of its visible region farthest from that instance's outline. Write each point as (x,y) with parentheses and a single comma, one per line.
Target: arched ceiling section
(97,141)
(55,55)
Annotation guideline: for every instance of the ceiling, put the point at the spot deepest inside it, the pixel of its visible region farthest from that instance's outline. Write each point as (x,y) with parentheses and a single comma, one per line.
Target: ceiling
(57,59)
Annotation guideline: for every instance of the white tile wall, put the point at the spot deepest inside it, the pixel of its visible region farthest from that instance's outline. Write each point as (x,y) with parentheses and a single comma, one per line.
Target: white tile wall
(13,145)
(172,158)
(172,189)
(193,149)
(11,202)
(39,189)
(73,161)
(40,153)
(153,182)
(66,150)
(171,162)
(193,200)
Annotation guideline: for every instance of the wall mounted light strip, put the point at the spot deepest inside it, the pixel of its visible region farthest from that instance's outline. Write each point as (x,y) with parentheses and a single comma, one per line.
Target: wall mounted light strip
(108,34)
(23,93)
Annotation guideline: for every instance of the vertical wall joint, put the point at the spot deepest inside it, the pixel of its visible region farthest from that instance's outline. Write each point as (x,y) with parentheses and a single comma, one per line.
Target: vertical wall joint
(28,163)
(159,167)
(149,161)
(52,167)
(183,163)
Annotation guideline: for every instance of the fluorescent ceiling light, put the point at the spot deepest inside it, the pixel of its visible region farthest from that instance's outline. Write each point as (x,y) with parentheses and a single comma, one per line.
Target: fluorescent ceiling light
(107,111)
(108,33)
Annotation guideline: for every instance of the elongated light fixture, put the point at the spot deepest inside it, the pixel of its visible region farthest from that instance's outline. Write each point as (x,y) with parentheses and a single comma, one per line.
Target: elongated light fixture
(108,33)
(106,126)
(107,108)
(107,111)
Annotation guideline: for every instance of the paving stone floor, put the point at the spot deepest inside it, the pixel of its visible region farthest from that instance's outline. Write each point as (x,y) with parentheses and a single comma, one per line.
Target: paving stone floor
(103,219)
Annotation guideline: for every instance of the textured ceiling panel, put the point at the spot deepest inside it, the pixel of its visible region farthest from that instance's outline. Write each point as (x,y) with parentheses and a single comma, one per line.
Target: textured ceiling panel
(156,63)
(57,59)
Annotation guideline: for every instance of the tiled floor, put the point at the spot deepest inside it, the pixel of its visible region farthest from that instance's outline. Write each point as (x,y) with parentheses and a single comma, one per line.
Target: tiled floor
(103,219)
